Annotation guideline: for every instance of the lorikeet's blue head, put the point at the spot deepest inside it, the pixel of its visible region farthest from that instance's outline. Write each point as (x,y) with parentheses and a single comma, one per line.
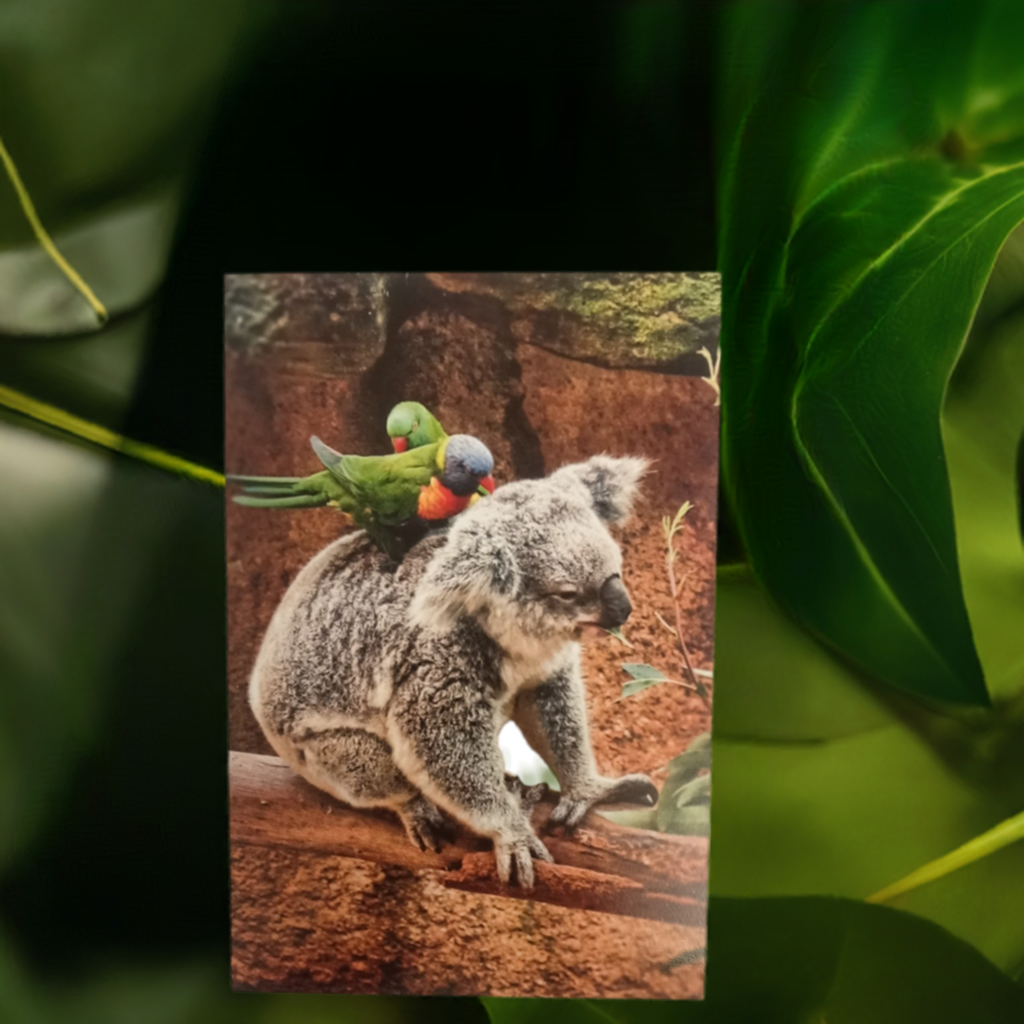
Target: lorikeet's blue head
(468,464)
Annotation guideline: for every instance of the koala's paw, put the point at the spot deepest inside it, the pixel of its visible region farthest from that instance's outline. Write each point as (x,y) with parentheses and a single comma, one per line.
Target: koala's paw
(572,808)
(519,853)
(424,824)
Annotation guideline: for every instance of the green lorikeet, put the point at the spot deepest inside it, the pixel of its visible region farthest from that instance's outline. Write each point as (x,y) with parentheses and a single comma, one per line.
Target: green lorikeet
(383,494)
(411,425)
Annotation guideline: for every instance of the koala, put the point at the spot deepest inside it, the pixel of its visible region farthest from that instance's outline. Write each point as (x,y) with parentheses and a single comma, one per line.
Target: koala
(387,685)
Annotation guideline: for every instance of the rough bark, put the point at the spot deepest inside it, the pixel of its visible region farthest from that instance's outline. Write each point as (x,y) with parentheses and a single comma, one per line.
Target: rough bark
(328,898)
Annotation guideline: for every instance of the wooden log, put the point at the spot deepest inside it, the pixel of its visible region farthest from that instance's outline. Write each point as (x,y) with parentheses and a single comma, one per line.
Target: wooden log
(601,867)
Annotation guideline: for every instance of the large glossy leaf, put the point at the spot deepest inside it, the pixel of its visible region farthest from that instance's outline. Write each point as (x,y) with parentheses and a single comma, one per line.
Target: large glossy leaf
(802,961)
(866,192)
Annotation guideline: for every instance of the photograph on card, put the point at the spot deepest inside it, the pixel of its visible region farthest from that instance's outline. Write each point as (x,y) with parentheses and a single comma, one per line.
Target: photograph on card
(471,530)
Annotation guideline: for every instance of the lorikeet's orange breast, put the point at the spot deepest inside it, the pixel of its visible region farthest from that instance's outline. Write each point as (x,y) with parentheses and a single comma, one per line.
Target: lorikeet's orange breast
(437,502)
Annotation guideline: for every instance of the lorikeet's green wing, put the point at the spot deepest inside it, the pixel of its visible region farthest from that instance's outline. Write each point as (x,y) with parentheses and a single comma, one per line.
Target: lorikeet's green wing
(413,425)
(388,486)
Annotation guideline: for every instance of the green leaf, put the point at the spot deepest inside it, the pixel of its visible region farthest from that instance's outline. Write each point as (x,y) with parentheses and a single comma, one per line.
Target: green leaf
(617,634)
(865,195)
(643,677)
(843,786)
(122,254)
(638,670)
(85,141)
(49,495)
(683,808)
(46,242)
(982,422)
(92,376)
(79,532)
(811,960)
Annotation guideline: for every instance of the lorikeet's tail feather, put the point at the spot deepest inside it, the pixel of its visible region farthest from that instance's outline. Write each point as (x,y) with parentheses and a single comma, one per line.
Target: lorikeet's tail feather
(275,492)
(280,482)
(283,501)
(269,491)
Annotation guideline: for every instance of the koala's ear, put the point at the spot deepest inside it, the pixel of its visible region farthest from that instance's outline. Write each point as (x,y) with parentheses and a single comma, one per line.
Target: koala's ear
(470,571)
(611,483)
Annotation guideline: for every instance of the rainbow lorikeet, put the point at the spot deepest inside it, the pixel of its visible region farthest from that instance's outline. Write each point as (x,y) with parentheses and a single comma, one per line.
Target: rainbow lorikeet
(384,494)
(411,425)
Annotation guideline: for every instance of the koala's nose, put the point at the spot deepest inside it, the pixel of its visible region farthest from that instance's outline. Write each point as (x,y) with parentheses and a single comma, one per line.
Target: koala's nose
(615,603)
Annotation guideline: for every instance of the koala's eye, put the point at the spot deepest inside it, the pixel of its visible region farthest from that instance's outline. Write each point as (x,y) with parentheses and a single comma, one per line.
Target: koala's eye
(566,594)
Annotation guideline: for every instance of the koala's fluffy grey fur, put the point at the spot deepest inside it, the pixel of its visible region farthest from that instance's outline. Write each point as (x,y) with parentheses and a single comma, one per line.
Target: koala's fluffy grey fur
(388,685)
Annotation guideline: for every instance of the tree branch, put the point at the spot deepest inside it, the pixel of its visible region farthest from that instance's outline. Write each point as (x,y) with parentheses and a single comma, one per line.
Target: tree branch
(602,866)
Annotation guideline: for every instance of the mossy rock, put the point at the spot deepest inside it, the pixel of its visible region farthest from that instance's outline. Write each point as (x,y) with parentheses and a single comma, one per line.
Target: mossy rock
(624,320)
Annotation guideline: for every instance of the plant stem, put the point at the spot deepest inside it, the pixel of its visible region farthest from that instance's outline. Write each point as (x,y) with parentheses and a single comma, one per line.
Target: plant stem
(701,692)
(1009,831)
(28,207)
(95,434)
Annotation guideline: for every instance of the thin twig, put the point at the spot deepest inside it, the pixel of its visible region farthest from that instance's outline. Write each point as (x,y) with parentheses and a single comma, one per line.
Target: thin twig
(670,531)
(667,625)
(44,239)
(714,367)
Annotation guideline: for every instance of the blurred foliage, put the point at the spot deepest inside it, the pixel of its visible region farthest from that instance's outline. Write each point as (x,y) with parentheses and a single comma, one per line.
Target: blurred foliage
(809,960)
(102,107)
(870,170)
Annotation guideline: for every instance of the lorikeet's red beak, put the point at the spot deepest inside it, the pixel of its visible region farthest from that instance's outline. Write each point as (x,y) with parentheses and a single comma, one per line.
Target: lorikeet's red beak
(488,483)
(401,444)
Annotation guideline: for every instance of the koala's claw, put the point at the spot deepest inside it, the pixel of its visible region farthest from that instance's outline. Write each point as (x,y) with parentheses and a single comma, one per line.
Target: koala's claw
(630,789)
(569,813)
(520,853)
(424,824)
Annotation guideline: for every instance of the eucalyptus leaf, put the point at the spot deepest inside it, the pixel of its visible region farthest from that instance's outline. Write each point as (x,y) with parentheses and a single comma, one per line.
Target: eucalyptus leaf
(644,676)
(865,197)
(683,808)
(642,672)
(807,959)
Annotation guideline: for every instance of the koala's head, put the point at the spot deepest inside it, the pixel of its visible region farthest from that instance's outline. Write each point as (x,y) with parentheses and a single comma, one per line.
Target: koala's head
(536,559)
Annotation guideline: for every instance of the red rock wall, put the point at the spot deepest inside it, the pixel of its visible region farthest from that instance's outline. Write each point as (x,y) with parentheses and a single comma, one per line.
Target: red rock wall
(537,411)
